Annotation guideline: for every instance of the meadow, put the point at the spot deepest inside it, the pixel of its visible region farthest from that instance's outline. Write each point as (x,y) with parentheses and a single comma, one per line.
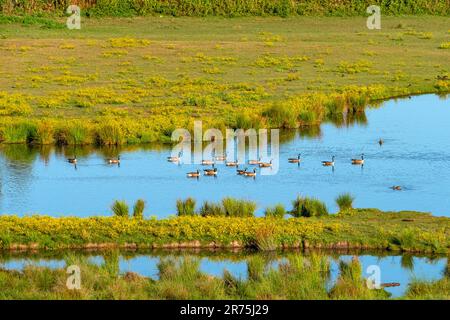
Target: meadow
(134,80)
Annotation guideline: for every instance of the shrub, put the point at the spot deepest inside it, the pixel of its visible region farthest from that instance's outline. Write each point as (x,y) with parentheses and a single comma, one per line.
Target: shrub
(186,207)
(308,207)
(345,201)
(277,211)
(120,209)
(138,209)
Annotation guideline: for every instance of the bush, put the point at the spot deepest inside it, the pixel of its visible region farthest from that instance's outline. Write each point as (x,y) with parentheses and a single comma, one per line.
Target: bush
(186,207)
(308,207)
(277,211)
(120,209)
(345,201)
(138,209)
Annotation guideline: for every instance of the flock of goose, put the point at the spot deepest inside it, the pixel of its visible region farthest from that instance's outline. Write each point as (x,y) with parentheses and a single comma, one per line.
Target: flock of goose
(245,172)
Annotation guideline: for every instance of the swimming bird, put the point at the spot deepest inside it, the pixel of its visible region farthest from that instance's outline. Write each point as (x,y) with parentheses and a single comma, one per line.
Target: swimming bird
(328,163)
(194,174)
(240,171)
(210,172)
(114,161)
(397,188)
(380,142)
(254,162)
(358,161)
(250,173)
(72,160)
(232,163)
(265,164)
(175,158)
(295,160)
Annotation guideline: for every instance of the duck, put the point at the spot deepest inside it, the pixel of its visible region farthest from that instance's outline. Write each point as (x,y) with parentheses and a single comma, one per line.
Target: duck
(207,162)
(329,163)
(175,158)
(210,172)
(397,188)
(254,162)
(295,160)
(194,174)
(114,161)
(358,161)
(265,164)
(232,163)
(250,173)
(240,171)
(72,160)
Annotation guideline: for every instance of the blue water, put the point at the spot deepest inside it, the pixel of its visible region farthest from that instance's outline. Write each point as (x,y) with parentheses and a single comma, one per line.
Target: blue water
(415,155)
(391,267)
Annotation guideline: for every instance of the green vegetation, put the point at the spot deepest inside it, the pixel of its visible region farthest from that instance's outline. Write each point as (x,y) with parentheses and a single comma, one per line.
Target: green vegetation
(138,209)
(231,8)
(345,201)
(120,209)
(179,277)
(100,85)
(308,207)
(186,207)
(365,228)
(277,211)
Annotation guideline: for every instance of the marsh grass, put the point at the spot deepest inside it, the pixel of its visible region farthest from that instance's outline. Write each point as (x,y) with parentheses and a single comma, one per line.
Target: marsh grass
(345,201)
(138,209)
(120,209)
(308,207)
(277,211)
(238,208)
(186,207)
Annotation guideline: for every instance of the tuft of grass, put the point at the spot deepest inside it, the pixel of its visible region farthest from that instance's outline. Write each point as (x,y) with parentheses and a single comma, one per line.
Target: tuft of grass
(138,209)
(345,201)
(238,208)
(211,209)
(277,211)
(120,209)
(186,207)
(308,207)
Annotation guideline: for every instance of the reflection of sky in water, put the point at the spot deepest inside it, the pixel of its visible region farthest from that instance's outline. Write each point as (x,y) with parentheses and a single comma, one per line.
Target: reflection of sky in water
(393,268)
(415,155)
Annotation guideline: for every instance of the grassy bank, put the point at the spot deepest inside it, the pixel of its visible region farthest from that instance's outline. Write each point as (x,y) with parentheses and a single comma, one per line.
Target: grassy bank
(119,81)
(364,228)
(296,277)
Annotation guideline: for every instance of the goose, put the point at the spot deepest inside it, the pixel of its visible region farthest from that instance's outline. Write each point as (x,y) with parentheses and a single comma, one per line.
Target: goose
(194,174)
(113,161)
(295,160)
(250,173)
(210,172)
(175,158)
(265,164)
(358,161)
(254,162)
(232,163)
(240,171)
(72,160)
(398,188)
(328,163)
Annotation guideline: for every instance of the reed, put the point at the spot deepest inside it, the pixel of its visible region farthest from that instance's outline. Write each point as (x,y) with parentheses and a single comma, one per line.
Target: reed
(138,209)
(277,211)
(308,207)
(345,201)
(120,209)
(186,207)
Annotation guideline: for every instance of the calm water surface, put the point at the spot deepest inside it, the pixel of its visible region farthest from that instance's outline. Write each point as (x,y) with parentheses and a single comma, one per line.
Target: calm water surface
(401,269)
(415,155)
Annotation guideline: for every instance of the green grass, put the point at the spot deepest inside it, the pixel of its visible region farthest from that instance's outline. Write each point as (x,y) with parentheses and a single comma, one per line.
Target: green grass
(308,207)
(345,201)
(98,84)
(120,209)
(186,207)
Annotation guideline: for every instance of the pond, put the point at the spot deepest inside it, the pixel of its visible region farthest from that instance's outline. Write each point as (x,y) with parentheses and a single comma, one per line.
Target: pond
(415,155)
(393,268)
